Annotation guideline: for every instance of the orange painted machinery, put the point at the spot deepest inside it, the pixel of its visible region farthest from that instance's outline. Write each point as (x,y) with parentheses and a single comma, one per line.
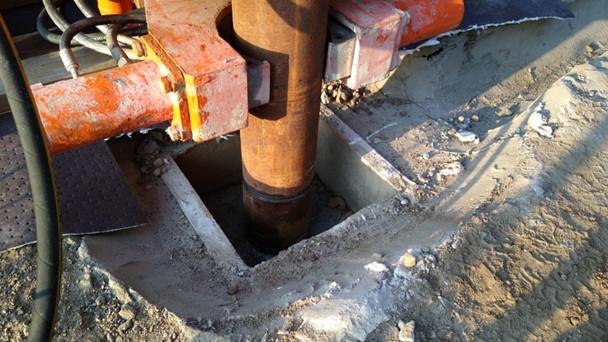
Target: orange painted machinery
(193,78)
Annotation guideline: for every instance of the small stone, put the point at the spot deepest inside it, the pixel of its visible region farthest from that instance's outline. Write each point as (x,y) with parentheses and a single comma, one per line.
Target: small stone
(376,140)
(406,331)
(233,289)
(408,260)
(377,256)
(157,172)
(127,313)
(125,326)
(100,301)
(451,169)
(324,98)
(158,162)
(119,291)
(460,119)
(475,118)
(467,137)
(336,202)
(376,267)
(150,147)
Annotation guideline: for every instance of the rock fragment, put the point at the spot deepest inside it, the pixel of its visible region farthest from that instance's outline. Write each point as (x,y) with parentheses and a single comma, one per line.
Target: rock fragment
(467,137)
(376,267)
(451,169)
(538,122)
(408,260)
(127,313)
(406,331)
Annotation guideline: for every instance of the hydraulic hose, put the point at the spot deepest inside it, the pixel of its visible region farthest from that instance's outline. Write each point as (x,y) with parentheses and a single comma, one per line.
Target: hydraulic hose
(63,25)
(65,51)
(88,12)
(46,209)
(119,55)
(41,26)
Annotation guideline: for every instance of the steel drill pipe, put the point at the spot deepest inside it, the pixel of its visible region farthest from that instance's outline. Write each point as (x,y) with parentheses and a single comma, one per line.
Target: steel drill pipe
(279,144)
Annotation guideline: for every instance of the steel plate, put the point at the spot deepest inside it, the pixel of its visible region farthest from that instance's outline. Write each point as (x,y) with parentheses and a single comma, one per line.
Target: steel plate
(93,194)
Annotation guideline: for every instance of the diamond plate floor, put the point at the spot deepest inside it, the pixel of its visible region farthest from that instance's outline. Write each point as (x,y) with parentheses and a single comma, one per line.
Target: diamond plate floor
(93,194)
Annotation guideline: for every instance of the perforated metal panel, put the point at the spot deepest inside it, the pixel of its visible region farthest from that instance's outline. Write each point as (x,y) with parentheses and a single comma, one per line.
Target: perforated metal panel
(93,194)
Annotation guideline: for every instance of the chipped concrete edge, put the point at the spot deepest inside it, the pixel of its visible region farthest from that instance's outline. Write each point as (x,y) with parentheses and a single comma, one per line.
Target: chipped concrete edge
(368,157)
(203,223)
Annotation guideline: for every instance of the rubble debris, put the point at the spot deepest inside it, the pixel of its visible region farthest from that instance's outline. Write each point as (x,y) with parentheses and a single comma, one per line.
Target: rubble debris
(467,137)
(127,313)
(538,121)
(376,267)
(341,94)
(406,331)
(408,260)
(451,169)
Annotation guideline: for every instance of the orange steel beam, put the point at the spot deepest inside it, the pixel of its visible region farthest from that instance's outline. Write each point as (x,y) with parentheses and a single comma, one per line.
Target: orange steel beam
(192,78)
(101,105)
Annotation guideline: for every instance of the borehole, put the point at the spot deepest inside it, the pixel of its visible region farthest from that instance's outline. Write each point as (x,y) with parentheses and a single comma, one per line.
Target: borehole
(214,170)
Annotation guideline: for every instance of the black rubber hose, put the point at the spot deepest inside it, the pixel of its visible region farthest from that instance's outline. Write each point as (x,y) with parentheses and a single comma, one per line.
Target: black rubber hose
(63,25)
(119,55)
(65,51)
(88,12)
(46,209)
(41,26)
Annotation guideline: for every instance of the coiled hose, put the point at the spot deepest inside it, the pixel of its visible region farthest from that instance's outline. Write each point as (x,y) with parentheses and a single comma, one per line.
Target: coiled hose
(46,209)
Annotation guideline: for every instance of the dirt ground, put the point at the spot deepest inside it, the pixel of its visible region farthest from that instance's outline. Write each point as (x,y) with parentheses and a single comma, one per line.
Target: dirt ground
(509,236)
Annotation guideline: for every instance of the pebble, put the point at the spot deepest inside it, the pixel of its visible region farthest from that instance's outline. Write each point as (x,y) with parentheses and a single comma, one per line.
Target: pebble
(408,260)
(336,202)
(451,169)
(127,313)
(475,118)
(158,163)
(376,267)
(150,147)
(157,172)
(125,326)
(119,291)
(467,137)
(233,289)
(460,119)
(324,98)
(538,122)
(406,331)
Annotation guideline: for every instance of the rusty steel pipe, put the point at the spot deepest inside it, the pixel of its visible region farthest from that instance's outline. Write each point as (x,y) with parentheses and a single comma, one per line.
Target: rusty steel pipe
(102,105)
(279,144)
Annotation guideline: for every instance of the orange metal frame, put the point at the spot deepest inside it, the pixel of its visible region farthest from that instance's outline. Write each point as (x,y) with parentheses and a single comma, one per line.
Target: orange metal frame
(198,82)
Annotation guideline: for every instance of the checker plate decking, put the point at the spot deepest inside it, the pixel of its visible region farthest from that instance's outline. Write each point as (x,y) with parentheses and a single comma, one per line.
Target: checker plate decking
(93,194)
